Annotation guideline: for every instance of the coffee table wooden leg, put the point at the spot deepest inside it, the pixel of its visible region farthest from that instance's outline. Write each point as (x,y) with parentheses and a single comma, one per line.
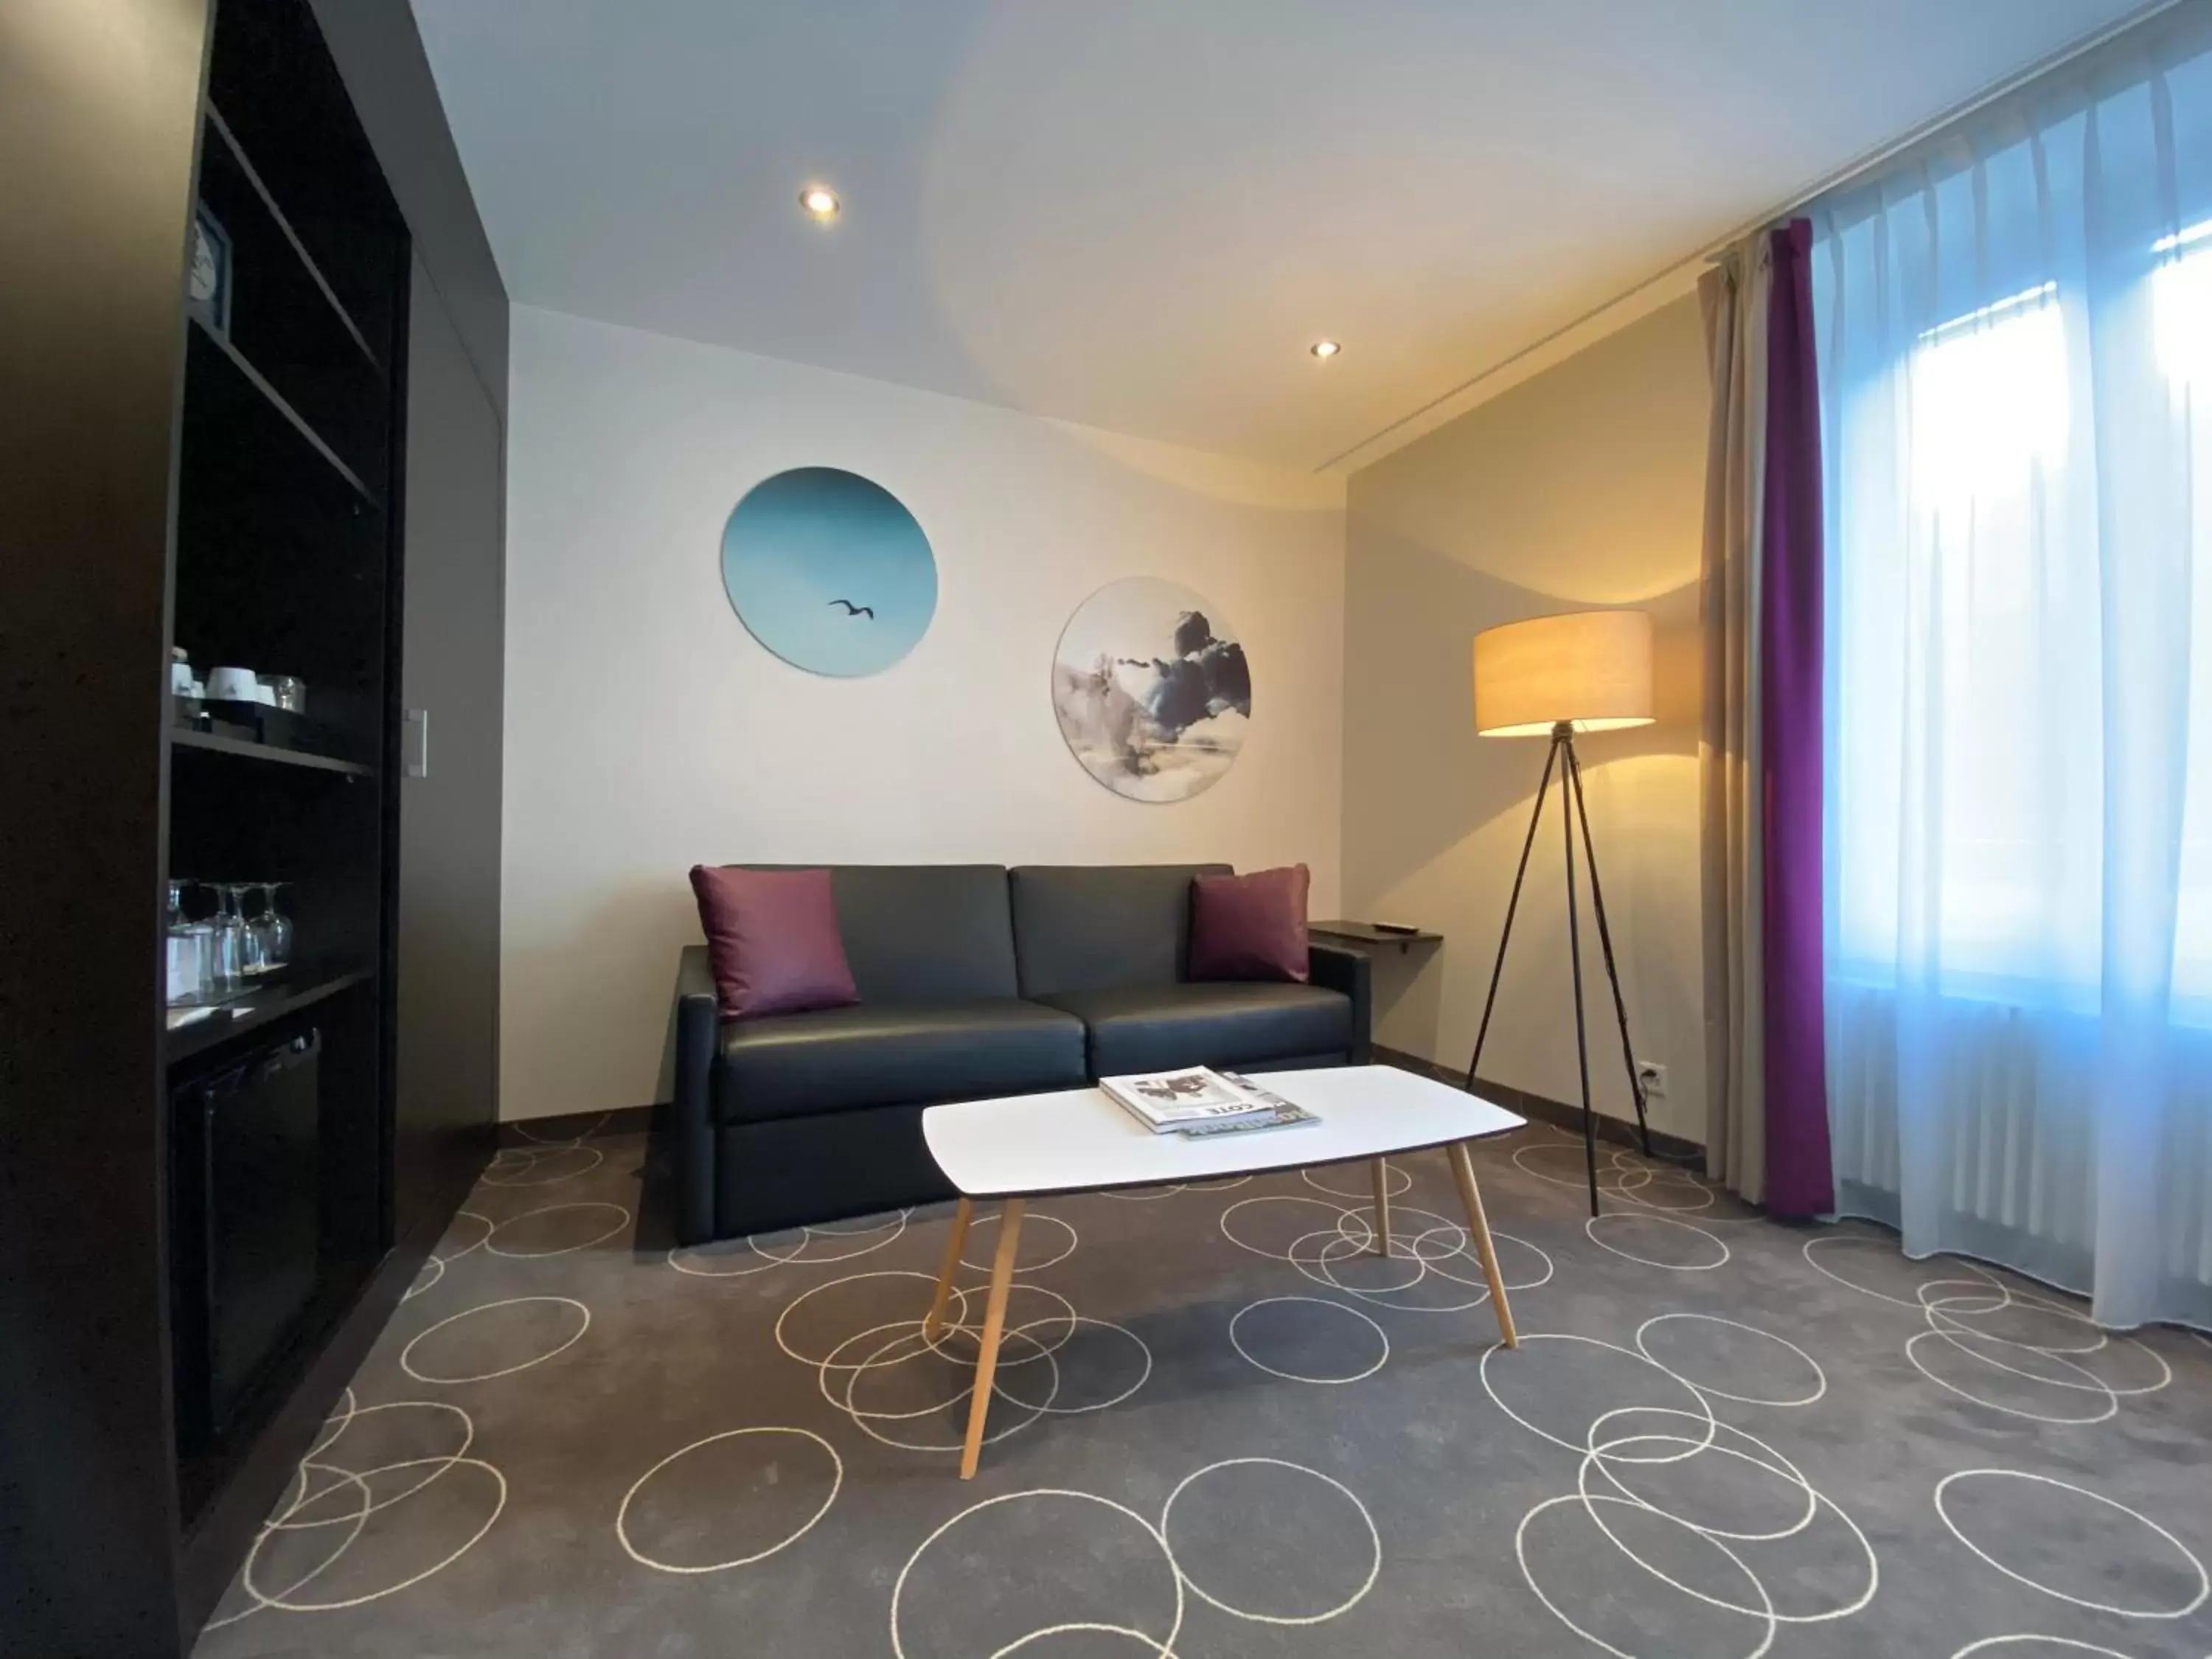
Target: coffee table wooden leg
(953,1246)
(1382,1206)
(1471,1196)
(994,1318)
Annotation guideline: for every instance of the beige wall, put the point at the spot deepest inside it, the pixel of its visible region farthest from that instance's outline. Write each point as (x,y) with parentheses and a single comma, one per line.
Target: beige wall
(1583,486)
(646,731)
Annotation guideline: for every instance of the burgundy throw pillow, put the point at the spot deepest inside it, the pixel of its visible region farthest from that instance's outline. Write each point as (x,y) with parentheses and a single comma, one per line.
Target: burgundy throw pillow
(1249,927)
(773,938)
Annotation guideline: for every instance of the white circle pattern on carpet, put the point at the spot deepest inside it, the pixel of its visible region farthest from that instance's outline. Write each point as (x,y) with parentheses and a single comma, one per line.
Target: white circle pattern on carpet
(1225,1423)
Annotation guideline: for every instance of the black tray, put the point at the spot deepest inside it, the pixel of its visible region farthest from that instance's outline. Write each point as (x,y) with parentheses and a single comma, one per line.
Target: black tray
(257,722)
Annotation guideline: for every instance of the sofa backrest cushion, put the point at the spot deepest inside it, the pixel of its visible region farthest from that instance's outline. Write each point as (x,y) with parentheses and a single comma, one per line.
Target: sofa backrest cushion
(772,940)
(1099,927)
(925,932)
(1251,926)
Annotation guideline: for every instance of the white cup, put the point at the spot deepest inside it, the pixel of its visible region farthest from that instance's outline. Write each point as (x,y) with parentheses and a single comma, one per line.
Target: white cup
(233,685)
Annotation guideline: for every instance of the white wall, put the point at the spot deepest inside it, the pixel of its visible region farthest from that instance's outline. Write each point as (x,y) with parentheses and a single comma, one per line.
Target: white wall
(646,731)
(1580,486)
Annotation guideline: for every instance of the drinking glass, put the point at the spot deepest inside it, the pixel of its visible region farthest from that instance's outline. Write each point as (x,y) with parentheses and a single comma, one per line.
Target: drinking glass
(189,952)
(227,944)
(252,944)
(272,928)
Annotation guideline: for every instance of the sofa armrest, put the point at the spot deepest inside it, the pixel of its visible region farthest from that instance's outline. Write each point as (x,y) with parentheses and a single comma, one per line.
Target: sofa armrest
(698,1026)
(1336,968)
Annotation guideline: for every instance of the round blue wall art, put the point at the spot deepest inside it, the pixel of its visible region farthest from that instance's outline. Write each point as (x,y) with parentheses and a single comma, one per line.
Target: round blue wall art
(830,571)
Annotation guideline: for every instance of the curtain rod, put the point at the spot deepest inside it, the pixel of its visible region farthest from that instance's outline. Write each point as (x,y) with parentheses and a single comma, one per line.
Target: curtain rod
(1873,162)
(1849,172)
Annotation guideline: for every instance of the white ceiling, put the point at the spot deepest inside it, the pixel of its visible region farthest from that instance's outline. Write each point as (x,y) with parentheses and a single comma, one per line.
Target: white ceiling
(1139,213)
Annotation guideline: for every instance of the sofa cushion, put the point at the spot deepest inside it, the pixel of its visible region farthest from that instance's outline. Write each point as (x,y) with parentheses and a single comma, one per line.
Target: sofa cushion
(772,940)
(924,933)
(1251,926)
(1094,928)
(884,1055)
(1156,1027)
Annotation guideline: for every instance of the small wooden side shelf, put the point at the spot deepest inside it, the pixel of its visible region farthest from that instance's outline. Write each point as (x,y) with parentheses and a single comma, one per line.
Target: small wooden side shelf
(1366,934)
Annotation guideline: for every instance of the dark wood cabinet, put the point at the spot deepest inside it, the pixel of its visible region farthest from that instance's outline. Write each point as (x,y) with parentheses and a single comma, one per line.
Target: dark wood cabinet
(235,481)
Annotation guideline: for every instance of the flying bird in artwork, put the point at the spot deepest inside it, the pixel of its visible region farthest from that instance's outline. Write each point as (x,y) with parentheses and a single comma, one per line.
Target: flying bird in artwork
(852,610)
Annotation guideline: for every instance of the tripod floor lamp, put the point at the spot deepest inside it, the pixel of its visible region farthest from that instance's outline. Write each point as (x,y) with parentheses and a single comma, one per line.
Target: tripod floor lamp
(1556,676)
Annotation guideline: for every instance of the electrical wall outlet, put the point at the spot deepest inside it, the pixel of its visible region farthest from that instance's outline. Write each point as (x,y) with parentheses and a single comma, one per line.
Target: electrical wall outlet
(1653,1076)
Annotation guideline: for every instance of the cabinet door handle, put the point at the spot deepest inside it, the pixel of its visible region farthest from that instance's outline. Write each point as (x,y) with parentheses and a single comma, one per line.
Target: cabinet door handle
(418,743)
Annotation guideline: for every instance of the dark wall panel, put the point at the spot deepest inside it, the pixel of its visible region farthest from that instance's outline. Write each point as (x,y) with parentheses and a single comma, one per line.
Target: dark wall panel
(449,829)
(379,53)
(453,665)
(98,113)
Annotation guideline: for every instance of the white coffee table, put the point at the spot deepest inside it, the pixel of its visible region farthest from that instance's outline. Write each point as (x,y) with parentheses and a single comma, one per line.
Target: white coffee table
(1026,1147)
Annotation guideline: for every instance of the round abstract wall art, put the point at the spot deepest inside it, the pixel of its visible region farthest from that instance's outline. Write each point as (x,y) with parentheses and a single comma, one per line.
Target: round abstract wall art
(830,571)
(1151,690)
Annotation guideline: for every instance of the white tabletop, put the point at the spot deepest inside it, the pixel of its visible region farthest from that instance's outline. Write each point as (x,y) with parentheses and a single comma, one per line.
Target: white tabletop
(1077,1140)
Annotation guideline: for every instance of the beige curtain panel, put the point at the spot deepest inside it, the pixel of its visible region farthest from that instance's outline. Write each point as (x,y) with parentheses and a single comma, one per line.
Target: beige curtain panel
(1733,295)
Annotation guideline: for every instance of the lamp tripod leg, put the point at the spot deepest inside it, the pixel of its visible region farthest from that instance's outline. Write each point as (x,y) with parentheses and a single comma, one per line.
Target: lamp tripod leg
(1564,739)
(1512,904)
(1605,944)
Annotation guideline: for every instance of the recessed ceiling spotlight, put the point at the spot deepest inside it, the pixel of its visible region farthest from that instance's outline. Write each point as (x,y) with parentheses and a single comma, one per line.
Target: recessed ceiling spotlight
(820,202)
(1324,349)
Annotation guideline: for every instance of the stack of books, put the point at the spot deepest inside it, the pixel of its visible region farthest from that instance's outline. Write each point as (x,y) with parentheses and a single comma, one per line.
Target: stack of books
(1199,1102)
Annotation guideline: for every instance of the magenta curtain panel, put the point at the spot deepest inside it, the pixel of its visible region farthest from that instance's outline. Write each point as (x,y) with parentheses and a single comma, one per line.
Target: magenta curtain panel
(1798,1178)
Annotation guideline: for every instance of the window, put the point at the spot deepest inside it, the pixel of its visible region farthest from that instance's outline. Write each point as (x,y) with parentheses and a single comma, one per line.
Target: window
(1988,405)
(1972,673)
(2181,289)
(1989,427)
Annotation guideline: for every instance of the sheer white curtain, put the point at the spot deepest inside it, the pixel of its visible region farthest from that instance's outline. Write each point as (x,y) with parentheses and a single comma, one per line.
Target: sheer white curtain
(2016,369)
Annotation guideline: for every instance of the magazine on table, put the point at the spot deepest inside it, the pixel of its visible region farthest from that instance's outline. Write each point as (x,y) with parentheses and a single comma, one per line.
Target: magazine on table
(1200,1100)
(1281,1113)
(1166,1101)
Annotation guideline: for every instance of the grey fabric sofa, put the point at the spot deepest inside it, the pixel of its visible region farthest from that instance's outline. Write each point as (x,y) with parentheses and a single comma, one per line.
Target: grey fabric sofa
(974,981)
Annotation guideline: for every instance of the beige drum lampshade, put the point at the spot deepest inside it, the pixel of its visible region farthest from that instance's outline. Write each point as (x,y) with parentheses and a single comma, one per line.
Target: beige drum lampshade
(1592,668)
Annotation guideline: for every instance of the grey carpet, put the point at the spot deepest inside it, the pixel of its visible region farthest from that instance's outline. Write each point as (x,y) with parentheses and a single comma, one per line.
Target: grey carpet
(1226,1429)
